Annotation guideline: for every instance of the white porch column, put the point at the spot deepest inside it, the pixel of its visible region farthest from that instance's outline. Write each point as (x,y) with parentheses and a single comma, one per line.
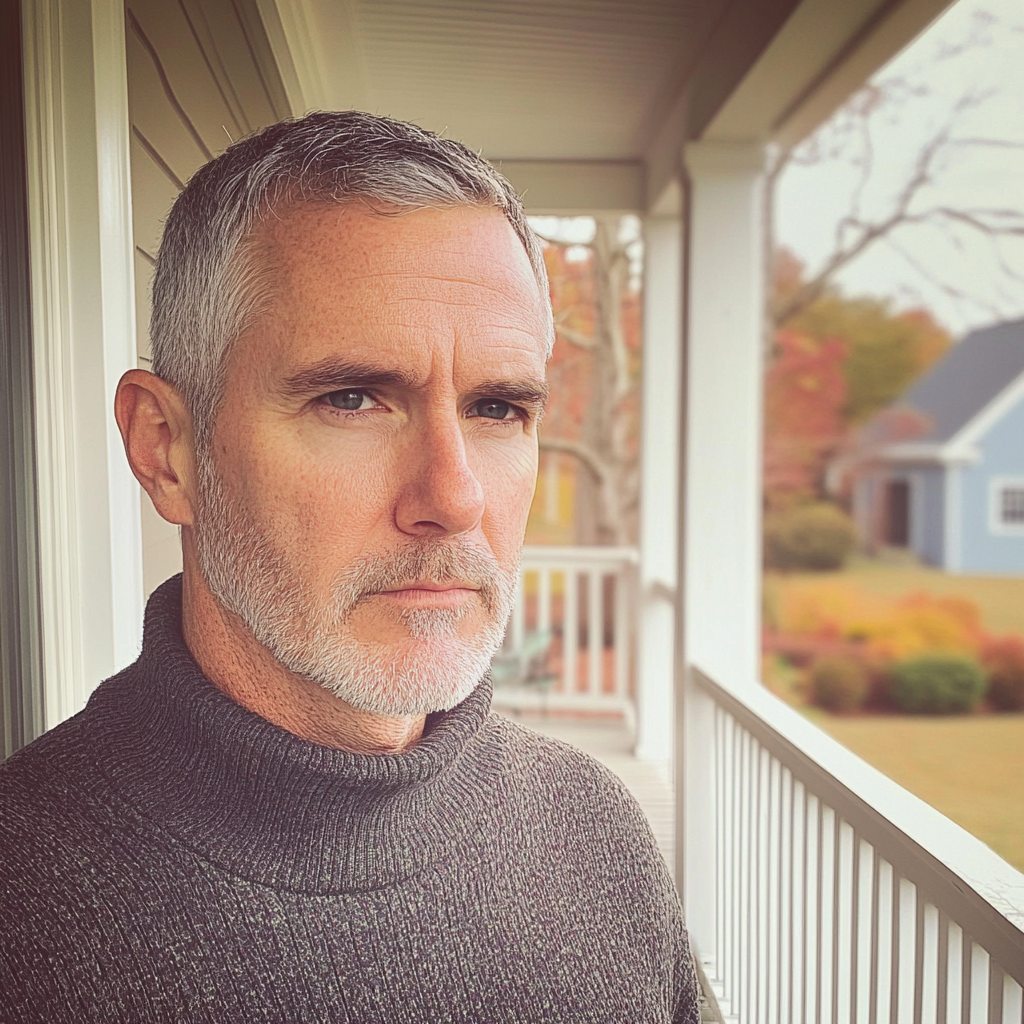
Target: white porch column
(722,519)
(721,546)
(659,488)
(84,337)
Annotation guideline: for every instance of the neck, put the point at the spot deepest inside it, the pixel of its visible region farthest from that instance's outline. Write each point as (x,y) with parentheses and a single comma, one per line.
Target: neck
(248,673)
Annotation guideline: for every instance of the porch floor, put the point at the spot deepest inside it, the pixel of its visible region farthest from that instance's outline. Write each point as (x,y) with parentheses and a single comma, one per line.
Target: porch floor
(611,743)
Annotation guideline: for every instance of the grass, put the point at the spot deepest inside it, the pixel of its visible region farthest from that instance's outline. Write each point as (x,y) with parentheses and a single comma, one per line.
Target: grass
(969,767)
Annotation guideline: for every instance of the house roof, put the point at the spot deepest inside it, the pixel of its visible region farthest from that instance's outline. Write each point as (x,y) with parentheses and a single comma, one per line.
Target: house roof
(964,383)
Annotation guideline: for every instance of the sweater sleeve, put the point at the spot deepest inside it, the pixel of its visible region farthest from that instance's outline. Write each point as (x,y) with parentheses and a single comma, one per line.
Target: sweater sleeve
(687,1008)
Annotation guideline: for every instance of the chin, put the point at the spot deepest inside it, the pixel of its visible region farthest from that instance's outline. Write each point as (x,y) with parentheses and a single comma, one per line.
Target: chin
(413,677)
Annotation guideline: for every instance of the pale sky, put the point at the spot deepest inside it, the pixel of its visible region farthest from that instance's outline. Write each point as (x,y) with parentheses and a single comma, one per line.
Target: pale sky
(976,48)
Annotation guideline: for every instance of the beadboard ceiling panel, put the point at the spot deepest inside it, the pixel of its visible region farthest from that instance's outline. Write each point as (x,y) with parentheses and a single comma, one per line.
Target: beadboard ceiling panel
(522,79)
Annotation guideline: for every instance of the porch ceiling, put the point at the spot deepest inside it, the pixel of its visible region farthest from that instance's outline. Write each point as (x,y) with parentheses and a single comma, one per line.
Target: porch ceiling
(522,79)
(621,83)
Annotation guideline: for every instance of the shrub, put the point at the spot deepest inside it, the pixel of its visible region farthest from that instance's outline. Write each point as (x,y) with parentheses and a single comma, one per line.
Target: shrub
(891,629)
(816,537)
(840,682)
(937,684)
(1003,658)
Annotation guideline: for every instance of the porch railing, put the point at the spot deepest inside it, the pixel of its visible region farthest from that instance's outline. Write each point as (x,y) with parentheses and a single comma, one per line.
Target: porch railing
(569,644)
(827,894)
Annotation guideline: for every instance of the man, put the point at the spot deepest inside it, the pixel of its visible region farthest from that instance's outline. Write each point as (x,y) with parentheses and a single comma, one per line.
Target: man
(296,806)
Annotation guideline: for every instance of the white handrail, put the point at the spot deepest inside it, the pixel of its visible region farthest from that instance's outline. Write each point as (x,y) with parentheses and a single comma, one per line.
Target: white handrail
(583,600)
(838,895)
(612,557)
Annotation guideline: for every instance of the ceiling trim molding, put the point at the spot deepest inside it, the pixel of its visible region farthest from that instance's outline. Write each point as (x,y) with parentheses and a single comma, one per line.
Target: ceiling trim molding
(577,186)
(314,78)
(820,54)
(291,47)
(898,25)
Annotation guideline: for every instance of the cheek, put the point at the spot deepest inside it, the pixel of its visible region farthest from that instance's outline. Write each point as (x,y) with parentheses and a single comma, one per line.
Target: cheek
(509,483)
(316,506)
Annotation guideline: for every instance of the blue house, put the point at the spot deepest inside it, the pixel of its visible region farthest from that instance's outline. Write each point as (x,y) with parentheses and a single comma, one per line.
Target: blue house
(941,472)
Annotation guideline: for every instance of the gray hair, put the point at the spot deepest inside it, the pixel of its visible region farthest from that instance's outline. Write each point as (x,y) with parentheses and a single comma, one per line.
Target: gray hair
(208,290)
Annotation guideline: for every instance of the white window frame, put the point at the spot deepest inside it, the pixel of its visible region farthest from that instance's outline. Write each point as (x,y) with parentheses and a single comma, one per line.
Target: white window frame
(83,323)
(997,485)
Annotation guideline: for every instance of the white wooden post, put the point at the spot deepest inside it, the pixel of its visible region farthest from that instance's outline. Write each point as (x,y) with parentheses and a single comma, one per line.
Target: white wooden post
(83,322)
(721,549)
(659,488)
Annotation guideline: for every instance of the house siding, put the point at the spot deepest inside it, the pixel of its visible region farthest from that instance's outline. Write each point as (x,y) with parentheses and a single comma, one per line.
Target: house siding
(983,548)
(199,76)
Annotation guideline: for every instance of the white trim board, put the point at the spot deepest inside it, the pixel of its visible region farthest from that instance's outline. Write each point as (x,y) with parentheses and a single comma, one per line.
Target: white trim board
(76,106)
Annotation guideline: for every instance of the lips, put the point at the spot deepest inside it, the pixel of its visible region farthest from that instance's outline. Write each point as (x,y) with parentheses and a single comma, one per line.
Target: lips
(431,595)
(428,585)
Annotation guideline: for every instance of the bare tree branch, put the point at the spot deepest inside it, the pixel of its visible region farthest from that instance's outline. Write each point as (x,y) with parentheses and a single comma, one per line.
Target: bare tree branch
(577,338)
(579,451)
(944,286)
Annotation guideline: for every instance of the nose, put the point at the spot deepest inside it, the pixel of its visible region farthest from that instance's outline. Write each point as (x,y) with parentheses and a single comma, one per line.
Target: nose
(440,494)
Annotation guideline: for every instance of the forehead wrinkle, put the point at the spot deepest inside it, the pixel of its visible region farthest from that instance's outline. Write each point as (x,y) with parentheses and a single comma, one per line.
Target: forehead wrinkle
(412,276)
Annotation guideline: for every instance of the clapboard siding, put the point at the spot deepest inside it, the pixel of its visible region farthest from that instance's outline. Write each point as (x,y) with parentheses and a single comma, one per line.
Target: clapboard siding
(200,75)
(153,192)
(168,132)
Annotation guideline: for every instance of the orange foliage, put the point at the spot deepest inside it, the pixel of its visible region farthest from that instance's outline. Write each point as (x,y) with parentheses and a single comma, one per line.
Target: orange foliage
(931,341)
(569,369)
(804,395)
(889,630)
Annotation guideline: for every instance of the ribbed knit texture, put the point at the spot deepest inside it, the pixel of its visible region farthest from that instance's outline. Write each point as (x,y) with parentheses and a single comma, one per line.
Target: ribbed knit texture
(167,855)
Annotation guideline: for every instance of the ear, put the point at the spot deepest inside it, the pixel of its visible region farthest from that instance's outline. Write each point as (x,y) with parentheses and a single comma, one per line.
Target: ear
(156,428)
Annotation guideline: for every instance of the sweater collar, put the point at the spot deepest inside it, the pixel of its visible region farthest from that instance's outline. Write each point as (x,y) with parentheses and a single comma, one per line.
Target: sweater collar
(262,803)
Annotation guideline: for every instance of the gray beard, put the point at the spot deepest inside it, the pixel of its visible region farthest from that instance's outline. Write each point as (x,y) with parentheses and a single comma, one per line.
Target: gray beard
(435,669)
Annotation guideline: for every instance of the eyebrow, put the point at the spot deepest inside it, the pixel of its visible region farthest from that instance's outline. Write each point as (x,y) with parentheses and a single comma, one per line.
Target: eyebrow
(528,391)
(335,374)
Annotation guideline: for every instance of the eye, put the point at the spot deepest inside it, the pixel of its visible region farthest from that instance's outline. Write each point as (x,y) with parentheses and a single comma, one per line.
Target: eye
(350,399)
(491,409)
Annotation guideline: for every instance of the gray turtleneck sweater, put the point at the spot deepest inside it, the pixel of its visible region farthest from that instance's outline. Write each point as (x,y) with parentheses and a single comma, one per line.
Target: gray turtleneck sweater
(167,855)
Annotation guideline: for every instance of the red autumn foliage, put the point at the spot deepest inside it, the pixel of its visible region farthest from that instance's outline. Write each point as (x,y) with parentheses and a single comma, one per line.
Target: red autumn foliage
(1003,658)
(804,394)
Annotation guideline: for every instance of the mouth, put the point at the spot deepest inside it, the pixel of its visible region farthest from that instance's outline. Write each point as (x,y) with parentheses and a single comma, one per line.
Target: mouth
(427,594)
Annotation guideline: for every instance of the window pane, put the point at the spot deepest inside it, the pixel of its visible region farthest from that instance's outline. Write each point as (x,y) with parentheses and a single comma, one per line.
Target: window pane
(1012,506)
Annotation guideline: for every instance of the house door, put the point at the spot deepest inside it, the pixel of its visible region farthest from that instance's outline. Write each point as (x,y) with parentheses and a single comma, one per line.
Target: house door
(897,513)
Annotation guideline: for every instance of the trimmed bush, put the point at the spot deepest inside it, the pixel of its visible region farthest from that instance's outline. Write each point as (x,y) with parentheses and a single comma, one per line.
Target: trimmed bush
(840,682)
(1004,660)
(937,684)
(818,538)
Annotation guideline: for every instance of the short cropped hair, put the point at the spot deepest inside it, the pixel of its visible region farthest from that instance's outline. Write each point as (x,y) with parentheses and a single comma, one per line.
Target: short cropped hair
(208,289)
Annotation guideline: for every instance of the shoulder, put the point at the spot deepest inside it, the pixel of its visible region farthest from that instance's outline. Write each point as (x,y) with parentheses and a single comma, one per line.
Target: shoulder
(550,760)
(567,787)
(33,779)
(55,807)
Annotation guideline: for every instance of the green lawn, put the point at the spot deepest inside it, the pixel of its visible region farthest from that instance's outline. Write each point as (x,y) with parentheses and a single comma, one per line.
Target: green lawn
(969,767)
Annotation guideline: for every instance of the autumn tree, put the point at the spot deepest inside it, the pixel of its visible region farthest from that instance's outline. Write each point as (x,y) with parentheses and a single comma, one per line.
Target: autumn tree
(805,391)
(885,350)
(593,416)
(832,367)
(885,206)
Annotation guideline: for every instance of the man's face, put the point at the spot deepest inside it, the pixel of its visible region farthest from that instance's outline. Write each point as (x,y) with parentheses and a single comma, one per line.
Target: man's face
(374,457)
